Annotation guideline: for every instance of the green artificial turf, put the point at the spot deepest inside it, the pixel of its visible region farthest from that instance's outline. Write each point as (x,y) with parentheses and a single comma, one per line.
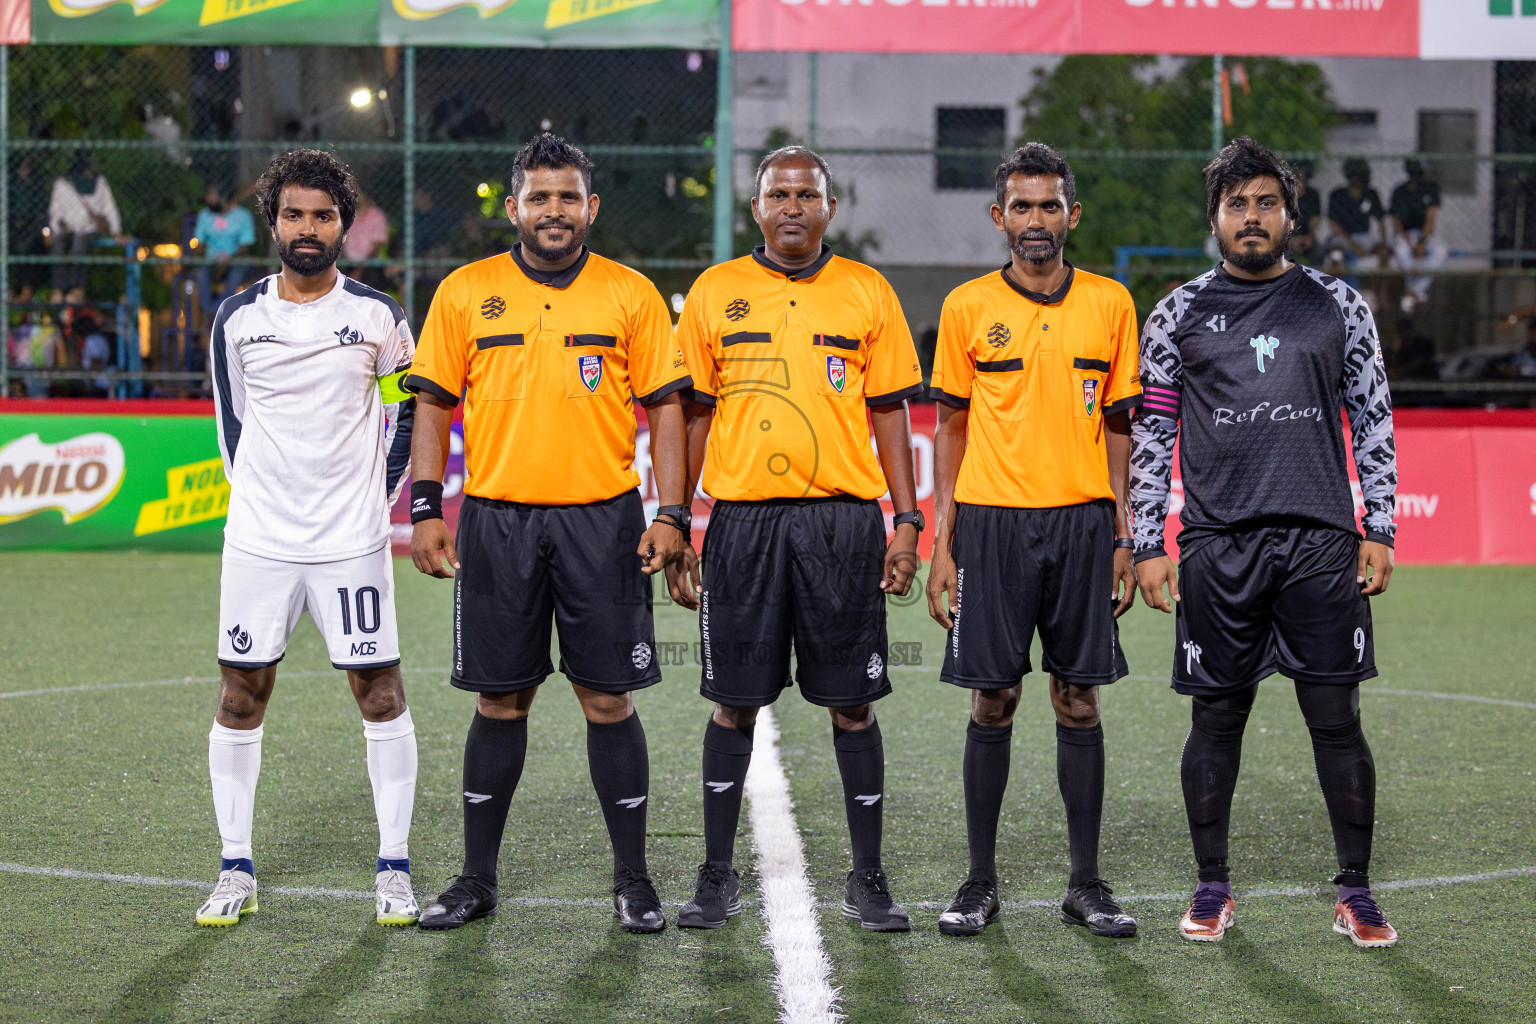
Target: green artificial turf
(115,781)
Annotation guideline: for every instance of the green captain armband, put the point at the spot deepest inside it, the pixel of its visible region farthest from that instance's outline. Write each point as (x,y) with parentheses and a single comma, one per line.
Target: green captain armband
(390,389)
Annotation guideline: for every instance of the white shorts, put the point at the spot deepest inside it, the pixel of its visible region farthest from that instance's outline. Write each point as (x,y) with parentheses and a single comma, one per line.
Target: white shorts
(352,602)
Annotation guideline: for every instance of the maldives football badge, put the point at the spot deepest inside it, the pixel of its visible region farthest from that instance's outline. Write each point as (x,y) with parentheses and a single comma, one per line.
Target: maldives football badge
(1090,395)
(591,371)
(837,373)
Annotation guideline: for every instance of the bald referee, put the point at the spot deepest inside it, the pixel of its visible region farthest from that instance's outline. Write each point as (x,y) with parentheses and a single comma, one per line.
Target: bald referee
(549,345)
(793,351)
(1036,375)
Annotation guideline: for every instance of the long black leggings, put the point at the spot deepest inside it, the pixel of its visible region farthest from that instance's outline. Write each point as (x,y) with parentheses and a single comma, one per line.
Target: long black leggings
(1345,771)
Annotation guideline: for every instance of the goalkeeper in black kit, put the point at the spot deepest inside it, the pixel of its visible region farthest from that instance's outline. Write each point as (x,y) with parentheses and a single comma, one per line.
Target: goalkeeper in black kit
(1253,361)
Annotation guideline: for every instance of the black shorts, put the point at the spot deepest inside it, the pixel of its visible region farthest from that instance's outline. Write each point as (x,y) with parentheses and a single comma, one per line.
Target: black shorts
(520,563)
(803,573)
(1271,598)
(1022,569)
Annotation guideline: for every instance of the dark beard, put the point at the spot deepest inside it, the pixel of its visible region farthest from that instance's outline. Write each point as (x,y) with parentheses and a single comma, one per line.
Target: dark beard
(309,262)
(1253,261)
(1016,246)
(530,241)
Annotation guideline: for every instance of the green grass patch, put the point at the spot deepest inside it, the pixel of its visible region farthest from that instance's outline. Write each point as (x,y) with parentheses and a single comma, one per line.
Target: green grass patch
(115,780)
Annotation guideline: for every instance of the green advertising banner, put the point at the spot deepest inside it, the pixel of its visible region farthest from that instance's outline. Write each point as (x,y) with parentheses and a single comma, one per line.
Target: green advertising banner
(207,22)
(568,24)
(519,23)
(84,481)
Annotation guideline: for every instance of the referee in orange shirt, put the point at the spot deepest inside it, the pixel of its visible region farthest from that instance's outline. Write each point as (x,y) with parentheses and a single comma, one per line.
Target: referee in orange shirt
(1037,375)
(793,351)
(547,344)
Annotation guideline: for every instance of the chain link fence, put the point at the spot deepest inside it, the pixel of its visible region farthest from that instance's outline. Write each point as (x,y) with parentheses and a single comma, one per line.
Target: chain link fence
(123,306)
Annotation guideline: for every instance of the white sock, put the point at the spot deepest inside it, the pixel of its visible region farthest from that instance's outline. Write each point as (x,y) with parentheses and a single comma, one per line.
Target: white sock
(234,764)
(392,770)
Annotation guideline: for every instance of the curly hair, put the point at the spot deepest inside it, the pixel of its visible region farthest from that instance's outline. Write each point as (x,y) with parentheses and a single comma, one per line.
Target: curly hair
(1243,160)
(1031,159)
(308,168)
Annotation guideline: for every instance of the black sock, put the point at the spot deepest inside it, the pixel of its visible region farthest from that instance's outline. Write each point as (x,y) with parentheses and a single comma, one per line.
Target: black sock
(727,753)
(861,760)
(1212,753)
(493,763)
(1080,776)
(621,775)
(988,750)
(1345,770)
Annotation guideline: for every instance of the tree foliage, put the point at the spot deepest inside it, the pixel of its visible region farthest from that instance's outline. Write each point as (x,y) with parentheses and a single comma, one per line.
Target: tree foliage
(1138,133)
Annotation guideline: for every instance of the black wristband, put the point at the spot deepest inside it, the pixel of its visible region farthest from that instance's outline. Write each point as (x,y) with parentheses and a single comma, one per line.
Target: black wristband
(426,500)
(666,519)
(1124,542)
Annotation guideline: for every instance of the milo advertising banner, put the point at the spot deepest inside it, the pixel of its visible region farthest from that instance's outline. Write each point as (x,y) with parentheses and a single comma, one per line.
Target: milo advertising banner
(84,480)
(523,23)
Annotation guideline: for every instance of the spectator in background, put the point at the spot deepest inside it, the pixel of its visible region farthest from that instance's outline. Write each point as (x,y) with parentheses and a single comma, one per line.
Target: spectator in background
(1523,362)
(368,239)
(80,209)
(1355,215)
(1304,240)
(37,344)
(1414,210)
(95,351)
(223,232)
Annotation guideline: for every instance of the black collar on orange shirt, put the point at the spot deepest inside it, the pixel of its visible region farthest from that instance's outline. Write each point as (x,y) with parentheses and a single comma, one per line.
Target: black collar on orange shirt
(760,254)
(554,278)
(1041,297)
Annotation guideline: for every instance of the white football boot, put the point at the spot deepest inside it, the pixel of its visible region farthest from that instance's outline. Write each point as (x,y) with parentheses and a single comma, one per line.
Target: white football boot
(232,899)
(396,903)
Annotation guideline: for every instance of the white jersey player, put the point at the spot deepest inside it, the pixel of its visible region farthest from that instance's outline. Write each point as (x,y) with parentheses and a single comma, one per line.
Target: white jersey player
(315,434)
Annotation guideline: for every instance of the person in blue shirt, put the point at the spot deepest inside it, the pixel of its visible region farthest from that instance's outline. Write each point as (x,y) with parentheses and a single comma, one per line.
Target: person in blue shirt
(223,231)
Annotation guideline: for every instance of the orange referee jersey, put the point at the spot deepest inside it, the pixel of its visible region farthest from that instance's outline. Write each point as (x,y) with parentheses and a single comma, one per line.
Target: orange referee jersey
(1039,374)
(548,364)
(791,359)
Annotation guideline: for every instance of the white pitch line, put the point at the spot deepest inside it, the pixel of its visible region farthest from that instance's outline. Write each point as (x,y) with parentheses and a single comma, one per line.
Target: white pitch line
(1430,882)
(90,687)
(1528,706)
(802,971)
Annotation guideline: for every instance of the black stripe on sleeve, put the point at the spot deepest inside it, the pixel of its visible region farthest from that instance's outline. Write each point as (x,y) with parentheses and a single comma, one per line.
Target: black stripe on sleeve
(1126,403)
(998,365)
(746,338)
(684,383)
(1080,363)
(497,340)
(227,418)
(895,397)
(953,401)
(417,383)
(399,459)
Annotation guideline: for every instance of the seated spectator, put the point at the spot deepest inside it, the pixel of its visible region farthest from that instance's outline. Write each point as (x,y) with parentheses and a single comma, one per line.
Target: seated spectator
(223,232)
(80,209)
(37,346)
(95,351)
(1354,217)
(1304,240)
(368,239)
(1412,215)
(1523,362)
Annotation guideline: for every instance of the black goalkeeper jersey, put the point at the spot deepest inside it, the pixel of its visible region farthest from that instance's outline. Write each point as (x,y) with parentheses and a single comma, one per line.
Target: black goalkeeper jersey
(1249,377)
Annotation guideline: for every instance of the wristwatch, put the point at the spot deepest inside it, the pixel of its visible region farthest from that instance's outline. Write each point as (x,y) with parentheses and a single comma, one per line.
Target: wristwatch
(679,516)
(915,517)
